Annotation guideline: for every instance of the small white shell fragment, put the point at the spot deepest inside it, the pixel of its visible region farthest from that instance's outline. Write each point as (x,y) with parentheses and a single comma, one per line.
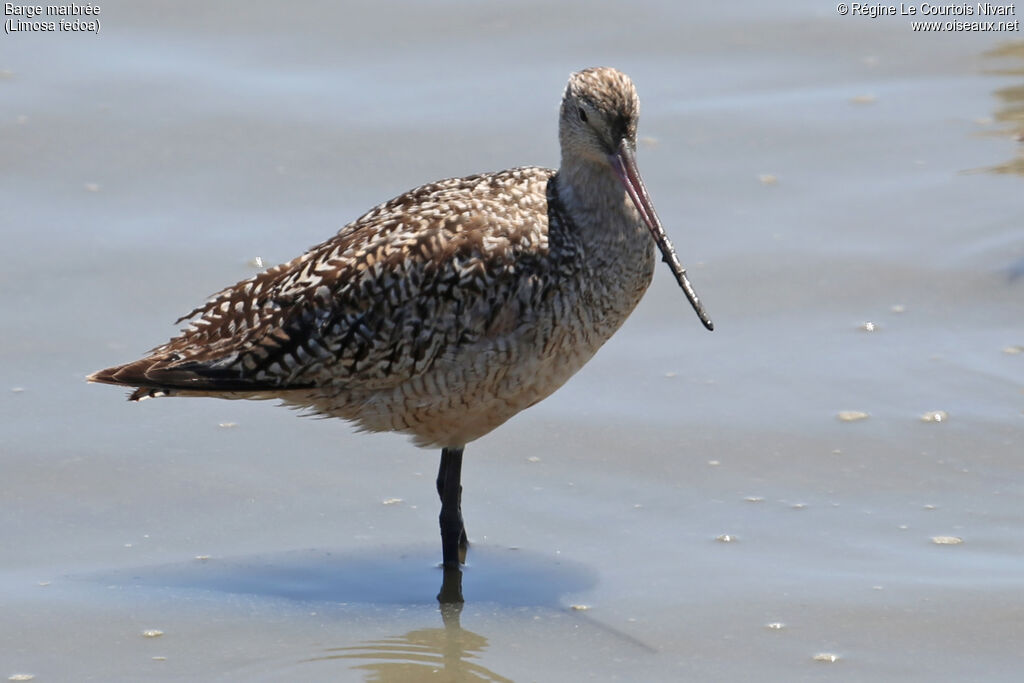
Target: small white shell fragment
(868,326)
(255,262)
(767,179)
(21,677)
(947,540)
(579,608)
(775,626)
(827,657)
(851,415)
(152,633)
(392,501)
(725,538)
(935,416)
(227,425)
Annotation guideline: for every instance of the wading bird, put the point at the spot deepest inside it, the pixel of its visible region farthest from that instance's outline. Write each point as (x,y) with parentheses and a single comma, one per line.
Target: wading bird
(447,310)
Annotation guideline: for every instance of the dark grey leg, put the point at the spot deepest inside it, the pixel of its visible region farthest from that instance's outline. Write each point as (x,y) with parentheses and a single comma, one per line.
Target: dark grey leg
(451,589)
(449,488)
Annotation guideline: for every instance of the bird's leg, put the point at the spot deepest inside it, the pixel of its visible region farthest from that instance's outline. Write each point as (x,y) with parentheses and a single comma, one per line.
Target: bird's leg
(449,487)
(450,595)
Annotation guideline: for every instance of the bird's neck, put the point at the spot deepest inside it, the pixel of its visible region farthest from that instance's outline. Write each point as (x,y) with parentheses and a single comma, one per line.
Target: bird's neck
(601,211)
(616,247)
(613,246)
(604,217)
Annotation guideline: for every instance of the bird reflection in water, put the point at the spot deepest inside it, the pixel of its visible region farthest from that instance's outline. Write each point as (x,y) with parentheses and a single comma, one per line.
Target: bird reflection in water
(437,654)
(1008,60)
(1009,118)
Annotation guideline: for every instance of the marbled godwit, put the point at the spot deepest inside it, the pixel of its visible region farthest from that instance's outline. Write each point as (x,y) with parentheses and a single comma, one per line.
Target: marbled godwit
(445,311)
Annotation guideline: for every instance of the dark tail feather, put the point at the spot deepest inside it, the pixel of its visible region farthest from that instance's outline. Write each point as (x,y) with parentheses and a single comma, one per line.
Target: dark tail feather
(153,377)
(135,374)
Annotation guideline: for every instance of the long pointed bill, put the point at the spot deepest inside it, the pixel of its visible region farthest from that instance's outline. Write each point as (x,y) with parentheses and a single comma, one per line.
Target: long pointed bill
(624,163)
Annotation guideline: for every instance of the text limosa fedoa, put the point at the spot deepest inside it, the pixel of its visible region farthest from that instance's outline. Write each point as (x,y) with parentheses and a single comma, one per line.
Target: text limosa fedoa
(445,311)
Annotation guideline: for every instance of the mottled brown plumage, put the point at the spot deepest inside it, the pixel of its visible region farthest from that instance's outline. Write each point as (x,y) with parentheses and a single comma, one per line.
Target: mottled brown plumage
(447,310)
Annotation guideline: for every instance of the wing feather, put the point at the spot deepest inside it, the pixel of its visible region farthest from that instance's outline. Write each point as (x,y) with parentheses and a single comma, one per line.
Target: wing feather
(407,283)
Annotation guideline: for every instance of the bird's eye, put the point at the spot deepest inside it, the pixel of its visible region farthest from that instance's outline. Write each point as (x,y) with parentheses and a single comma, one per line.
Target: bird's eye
(583,115)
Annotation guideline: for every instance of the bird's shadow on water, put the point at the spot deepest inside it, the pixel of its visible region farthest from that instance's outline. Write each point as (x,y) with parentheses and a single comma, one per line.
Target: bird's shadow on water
(382,576)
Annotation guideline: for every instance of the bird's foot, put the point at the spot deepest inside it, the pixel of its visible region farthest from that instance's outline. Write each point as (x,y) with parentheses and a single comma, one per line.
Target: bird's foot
(451,587)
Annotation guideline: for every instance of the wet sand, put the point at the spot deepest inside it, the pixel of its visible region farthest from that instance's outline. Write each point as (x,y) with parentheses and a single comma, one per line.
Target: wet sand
(689,507)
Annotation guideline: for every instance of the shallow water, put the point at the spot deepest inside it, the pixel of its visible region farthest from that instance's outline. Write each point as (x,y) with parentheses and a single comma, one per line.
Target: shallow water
(816,172)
